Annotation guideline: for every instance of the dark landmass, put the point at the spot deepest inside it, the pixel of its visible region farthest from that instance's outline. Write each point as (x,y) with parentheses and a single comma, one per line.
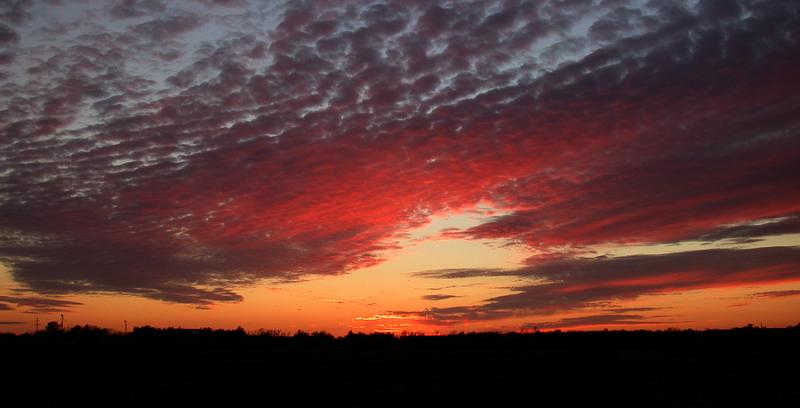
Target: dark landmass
(90,366)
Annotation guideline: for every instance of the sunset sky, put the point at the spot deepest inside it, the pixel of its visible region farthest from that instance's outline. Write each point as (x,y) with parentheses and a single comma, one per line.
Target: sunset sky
(400,165)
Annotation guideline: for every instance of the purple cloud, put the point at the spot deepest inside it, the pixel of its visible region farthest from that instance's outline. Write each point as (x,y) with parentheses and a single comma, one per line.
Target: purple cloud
(177,155)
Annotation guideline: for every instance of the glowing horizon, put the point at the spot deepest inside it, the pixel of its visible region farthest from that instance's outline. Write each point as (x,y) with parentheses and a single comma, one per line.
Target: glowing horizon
(324,303)
(382,166)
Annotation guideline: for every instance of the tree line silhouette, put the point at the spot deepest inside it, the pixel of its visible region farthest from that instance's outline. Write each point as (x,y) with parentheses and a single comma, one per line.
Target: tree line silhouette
(148,366)
(54,328)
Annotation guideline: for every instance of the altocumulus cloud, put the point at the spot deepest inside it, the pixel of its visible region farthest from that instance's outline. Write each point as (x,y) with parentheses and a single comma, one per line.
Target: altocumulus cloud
(182,150)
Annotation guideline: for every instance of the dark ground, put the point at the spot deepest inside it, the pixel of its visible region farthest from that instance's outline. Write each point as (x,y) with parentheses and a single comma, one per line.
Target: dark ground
(172,367)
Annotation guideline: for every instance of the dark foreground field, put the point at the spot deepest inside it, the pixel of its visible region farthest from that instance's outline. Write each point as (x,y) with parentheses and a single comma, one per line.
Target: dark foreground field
(88,366)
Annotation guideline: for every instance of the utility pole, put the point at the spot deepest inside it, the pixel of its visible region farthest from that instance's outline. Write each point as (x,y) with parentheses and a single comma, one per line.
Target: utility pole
(62,322)
(126,327)
(36,330)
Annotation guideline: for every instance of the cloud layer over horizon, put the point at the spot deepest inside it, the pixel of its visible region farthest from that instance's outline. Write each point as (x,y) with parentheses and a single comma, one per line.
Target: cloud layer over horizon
(180,150)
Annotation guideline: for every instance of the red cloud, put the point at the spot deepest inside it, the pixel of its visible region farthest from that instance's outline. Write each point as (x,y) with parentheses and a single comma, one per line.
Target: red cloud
(361,122)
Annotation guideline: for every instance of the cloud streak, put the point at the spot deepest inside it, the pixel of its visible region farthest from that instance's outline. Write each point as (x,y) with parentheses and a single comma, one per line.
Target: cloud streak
(438,297)
(37,304)
(585,283)
(776,294)
(601,320)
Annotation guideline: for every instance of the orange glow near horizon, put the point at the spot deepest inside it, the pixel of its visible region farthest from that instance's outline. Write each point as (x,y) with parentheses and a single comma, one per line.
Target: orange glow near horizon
(400,166)
(375,298)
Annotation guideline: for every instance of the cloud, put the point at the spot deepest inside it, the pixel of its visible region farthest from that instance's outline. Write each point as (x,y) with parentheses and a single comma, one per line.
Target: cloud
(601,320)
(4,306)
(581,283)
(460,273)
(438,297)
(136,8)
(224,3)
(15,11)
(187,155)
(167,28)
(776,293)
(11,323)
(7,35)
(36,304)
(752,232)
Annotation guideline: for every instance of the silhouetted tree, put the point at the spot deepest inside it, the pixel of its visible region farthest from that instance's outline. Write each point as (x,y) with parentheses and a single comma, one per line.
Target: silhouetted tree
(268,333)
(52,327)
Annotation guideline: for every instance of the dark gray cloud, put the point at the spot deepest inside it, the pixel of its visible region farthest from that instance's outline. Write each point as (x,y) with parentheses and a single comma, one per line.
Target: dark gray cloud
(575,284)
(4,306)
(163,29)
(136,8)
(438,297)
(38,304)
(602,320)
(7,35)
(751,233)
(461,273)
(15,11)
(224,3)
(777,294)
